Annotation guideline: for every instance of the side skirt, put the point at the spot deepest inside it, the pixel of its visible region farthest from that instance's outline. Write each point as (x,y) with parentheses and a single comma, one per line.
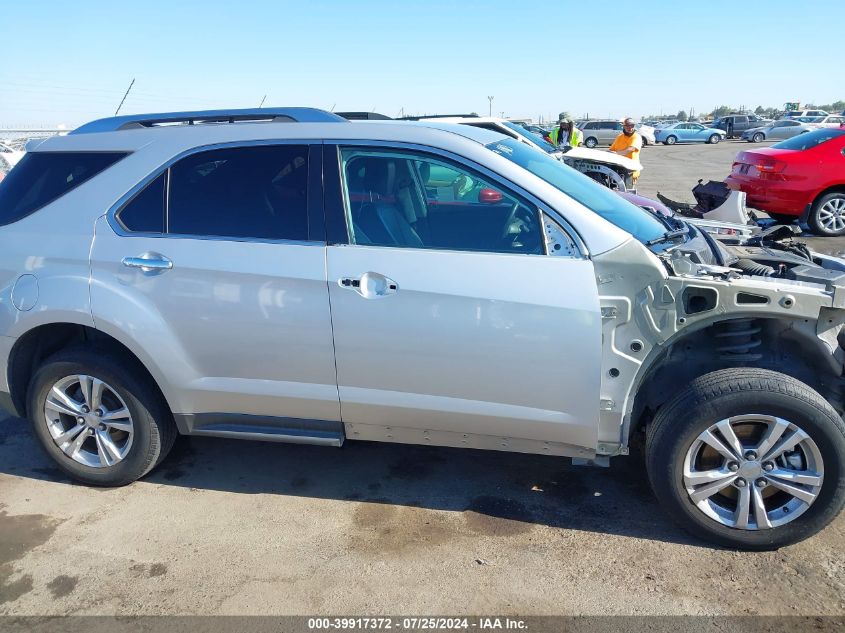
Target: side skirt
(262,428)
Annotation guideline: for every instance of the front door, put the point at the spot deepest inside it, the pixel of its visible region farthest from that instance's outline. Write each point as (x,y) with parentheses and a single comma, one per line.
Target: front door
(214,272)
(448,314)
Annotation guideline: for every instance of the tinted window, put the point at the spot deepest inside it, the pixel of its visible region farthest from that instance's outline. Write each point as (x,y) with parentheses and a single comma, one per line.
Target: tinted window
(410,200)
(741,119)
(145,212)
(258,192)
(591,126)
(599,199)
(42,177)
(808,140)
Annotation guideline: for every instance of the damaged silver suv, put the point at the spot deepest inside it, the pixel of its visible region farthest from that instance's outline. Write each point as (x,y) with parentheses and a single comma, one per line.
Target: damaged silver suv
(284,275)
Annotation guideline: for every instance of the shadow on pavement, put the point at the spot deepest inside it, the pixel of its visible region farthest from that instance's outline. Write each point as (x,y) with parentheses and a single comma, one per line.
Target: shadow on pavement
(532,489)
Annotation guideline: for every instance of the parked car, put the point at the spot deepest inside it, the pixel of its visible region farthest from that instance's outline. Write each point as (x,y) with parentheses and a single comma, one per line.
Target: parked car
(735,124)
(503,126)
(688,133)
(800,177)
(647,132)
(831,120)
(802,113)
(283,274)
(9,156)
(601,132)
(779,130)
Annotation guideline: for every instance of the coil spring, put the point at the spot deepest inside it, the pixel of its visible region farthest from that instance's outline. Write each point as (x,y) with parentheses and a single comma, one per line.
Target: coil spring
(737,339)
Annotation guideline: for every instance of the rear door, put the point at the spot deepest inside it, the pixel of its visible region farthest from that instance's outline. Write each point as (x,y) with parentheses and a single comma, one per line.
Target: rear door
(216,270)
(451,323)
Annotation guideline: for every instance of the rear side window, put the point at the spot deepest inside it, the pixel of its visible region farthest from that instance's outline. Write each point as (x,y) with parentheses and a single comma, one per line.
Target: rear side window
(245,192)
(42,177)
(145,213)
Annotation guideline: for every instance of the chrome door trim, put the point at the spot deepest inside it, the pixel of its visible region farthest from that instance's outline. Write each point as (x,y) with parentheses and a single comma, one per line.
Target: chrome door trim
(542,206)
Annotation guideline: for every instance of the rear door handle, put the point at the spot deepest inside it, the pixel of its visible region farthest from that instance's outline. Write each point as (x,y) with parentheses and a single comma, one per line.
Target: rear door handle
(149,263)
(370,285)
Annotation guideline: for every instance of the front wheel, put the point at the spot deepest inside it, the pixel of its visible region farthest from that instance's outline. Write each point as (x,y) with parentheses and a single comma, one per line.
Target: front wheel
(758,137)
(591,142)
(748,458)
(101,423)
(671,140)
(827,216)
(714,138)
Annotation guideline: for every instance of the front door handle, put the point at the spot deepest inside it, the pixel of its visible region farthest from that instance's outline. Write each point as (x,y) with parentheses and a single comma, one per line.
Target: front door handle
(370,285)
(149,263)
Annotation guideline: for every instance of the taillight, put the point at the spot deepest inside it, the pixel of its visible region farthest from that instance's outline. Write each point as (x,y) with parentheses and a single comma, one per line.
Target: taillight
(769,165)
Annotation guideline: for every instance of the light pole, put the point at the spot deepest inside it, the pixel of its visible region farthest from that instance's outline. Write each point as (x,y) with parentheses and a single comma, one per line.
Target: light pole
(490,99)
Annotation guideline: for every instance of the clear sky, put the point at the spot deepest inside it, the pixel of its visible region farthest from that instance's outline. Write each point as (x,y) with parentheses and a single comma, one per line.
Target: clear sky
(67,62)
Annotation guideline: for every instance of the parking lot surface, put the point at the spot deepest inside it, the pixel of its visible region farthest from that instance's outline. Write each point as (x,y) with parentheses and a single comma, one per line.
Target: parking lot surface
(228,527)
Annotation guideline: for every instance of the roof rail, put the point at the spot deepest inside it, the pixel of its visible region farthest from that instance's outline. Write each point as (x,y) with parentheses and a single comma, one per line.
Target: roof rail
(364,116)
(438,116)
(135,121)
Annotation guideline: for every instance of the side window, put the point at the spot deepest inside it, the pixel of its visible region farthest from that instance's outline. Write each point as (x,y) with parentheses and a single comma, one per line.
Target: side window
(591,126)
(410,200)
(741,119)
(42,177)
(244,192)
(145,212)
(617,126)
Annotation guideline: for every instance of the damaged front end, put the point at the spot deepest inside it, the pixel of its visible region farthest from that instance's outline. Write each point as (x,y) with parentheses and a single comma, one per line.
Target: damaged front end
(704,305)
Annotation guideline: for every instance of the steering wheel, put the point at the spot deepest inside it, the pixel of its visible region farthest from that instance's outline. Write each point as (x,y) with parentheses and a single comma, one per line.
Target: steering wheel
(523,226)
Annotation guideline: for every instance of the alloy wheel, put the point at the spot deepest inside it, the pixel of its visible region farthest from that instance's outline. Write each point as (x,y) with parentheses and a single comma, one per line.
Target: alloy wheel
(832,215)
(753,472)
(89,421)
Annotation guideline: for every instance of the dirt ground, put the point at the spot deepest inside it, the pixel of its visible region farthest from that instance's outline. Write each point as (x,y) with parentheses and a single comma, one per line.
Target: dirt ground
(228,527)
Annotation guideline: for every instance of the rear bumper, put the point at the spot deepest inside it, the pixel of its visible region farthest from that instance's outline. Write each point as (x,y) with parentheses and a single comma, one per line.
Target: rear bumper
(769,197)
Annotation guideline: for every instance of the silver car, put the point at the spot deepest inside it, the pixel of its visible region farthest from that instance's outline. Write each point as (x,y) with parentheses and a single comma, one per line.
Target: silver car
(776,131)
(600,132)
(285,275)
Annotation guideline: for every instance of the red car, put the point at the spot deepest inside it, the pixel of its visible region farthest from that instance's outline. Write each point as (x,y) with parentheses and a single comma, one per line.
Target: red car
(801,177)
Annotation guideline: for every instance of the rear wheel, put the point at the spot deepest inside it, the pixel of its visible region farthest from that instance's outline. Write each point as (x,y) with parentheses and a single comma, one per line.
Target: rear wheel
(714,138)
(827,216)
(671,140)
(758,137)
(748,458)
(591,142)
(100,423)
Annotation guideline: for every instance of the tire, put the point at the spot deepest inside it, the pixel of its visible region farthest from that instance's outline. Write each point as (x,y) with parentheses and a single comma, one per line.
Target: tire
(645,141)
(758,137)
(591,142)
(151,430)
(757,394)
(827,215)
(783,219)
(671,140)
(714,138)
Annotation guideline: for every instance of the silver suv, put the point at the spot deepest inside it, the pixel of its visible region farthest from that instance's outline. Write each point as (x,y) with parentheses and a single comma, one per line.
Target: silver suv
(285,275)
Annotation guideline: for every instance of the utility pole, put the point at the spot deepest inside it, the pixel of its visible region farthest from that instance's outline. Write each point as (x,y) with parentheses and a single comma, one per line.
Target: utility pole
(490,99)
(132,83)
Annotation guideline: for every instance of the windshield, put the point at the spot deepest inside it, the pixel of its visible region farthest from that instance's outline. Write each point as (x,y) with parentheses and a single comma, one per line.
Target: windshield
(810,139)
(599,199)
(534,138)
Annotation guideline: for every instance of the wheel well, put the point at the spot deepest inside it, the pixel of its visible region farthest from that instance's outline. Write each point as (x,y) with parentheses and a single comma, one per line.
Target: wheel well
(790,347)
(840,188)
(34,347)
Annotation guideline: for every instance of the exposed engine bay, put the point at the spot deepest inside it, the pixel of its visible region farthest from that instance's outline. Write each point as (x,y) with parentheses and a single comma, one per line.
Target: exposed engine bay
(773,253)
